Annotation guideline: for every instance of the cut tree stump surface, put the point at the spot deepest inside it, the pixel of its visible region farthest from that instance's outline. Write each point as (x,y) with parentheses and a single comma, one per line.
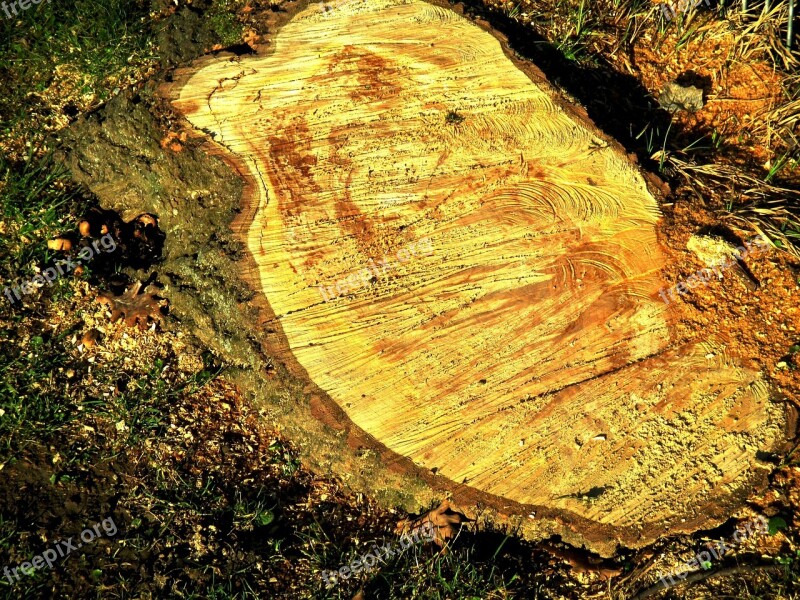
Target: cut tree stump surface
(470,270)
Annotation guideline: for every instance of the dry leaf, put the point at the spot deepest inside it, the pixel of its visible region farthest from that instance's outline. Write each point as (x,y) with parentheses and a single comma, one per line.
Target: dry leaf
(582,563)
(133,307)
(445,521)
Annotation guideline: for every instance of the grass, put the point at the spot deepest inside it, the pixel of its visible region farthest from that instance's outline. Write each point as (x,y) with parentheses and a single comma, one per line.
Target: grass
(36,201)
(762,35)
(37,361)
(36,369)
(223,22)
(778,165)
(417,572)
(514,11)
(30,410)
(573,43)
(62,58)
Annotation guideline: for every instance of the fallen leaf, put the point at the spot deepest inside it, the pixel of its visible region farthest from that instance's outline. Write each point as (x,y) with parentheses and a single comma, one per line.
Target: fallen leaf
(581,563)
(444,521)
(134,308)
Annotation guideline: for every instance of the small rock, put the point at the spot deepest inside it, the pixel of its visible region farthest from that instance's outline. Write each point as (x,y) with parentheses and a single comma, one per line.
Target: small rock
(675,97)
(711,250)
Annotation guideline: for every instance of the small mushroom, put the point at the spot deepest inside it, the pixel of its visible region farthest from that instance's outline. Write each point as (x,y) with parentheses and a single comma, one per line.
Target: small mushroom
(147,220)
(85,228)
(90,338)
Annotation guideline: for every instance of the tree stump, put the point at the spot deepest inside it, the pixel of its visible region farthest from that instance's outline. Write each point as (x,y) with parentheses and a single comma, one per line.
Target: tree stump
(470,270)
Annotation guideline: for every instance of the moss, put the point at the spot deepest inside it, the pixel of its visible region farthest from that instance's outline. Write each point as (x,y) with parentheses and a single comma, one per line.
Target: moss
(223,22)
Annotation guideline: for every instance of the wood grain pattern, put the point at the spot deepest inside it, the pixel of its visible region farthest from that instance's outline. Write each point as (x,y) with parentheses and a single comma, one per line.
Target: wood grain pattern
(470,270)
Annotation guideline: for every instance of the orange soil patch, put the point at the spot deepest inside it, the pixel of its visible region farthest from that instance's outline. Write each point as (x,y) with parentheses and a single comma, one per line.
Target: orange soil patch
(737,93)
